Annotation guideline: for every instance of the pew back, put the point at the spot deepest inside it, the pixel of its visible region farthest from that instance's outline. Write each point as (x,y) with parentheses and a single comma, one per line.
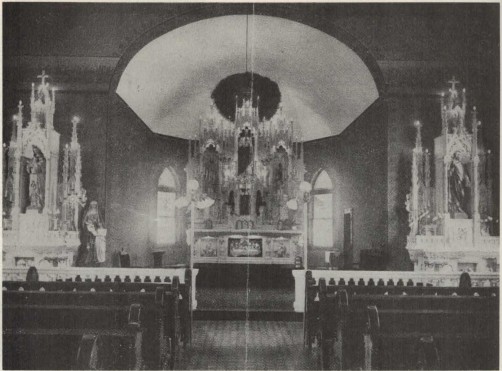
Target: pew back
(76,313)
(462,330)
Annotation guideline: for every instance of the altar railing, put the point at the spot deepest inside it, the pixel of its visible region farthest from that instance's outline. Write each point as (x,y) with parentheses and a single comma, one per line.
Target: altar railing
(408,278)
(91,273)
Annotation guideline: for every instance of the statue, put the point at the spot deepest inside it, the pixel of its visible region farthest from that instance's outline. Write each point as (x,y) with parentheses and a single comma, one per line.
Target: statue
(459,186)
(36,169)
(9,187)
(283,208)
(94,234)
(261,214)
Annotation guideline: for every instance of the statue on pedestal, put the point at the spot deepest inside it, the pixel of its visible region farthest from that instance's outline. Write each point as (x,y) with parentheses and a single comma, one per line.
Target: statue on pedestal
(94,236)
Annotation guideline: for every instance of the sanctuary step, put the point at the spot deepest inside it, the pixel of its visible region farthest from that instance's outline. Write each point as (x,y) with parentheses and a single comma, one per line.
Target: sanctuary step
(242,275)
(264,292)
(242,298)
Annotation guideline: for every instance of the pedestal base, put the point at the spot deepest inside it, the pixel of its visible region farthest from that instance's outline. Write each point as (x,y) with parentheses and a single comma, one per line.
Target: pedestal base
(33,244)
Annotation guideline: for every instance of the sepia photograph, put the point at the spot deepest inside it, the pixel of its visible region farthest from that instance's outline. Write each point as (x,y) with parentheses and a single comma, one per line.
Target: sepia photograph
(250,186)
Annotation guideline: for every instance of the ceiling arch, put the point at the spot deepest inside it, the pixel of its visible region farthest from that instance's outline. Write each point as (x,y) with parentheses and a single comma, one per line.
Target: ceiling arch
(324,84)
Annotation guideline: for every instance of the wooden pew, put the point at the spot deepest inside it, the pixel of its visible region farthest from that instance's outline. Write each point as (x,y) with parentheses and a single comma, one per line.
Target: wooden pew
(394,331)
(311,326)
(431,332)
(97,321)
(122,285)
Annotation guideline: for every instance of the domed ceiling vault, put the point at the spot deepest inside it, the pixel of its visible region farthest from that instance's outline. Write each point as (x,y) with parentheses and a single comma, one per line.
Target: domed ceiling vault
(324,85)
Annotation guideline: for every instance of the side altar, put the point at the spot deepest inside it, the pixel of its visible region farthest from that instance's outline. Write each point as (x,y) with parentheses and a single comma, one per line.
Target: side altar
(41,205)
(246,183)
(452,215)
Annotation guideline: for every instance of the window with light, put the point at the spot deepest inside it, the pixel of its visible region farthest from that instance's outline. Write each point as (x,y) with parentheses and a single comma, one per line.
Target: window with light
(322,218)
(166,212)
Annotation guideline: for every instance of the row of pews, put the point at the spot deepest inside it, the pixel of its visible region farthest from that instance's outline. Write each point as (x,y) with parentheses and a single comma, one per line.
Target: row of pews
(101,324)
(399,325)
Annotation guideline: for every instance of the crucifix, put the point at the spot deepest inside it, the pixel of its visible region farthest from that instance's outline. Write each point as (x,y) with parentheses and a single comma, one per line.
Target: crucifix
(453,82)
(43,76)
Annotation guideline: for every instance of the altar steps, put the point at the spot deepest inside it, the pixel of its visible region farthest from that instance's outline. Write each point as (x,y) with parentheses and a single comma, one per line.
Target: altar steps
(245,298)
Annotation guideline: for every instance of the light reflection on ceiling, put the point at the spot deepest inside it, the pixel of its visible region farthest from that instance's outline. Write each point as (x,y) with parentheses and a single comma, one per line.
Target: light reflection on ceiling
(324,85)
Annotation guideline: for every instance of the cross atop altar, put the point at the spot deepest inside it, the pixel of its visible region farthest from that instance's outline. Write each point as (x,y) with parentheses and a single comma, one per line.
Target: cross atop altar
(453,82)
(43,76)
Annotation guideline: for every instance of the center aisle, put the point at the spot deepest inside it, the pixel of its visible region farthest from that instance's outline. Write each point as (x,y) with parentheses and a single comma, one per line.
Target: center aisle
(251,345)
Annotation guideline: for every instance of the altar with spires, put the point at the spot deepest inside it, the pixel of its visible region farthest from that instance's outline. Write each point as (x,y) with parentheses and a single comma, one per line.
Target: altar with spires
(246,183)
(42,203)
(452,218)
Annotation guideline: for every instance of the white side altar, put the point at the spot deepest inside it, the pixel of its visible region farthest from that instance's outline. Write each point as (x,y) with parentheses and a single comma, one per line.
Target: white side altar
(41,207)
(452,217)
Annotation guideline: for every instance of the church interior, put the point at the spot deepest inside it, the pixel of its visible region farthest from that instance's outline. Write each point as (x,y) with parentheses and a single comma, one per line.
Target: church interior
(251,186)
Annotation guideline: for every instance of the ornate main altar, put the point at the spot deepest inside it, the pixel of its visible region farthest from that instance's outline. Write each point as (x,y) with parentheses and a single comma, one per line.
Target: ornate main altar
(41,206)
(253,170)
(452,216)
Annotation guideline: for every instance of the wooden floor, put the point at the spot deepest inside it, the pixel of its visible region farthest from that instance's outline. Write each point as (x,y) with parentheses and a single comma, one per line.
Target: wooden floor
(247,345)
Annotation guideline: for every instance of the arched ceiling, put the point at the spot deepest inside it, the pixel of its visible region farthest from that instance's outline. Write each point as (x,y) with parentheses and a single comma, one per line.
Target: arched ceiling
(324,85)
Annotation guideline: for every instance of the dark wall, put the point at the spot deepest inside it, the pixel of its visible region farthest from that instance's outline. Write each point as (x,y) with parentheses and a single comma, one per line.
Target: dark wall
(136,159)
(356,161)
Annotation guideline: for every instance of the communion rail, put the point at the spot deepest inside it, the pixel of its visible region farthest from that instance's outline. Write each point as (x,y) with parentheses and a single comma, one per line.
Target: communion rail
(381,278)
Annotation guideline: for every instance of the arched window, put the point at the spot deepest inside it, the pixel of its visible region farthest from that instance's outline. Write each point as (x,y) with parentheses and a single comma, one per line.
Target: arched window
(166,212)
(322,217)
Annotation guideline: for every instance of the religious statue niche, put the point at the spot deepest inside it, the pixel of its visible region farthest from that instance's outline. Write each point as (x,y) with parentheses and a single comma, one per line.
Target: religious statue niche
(231,203)
(245,200)
(34,181)
(245,150)
(211,168)
(459,187)
(280,167)
(249,164)
(450,206)
(41,206)
(260,207)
